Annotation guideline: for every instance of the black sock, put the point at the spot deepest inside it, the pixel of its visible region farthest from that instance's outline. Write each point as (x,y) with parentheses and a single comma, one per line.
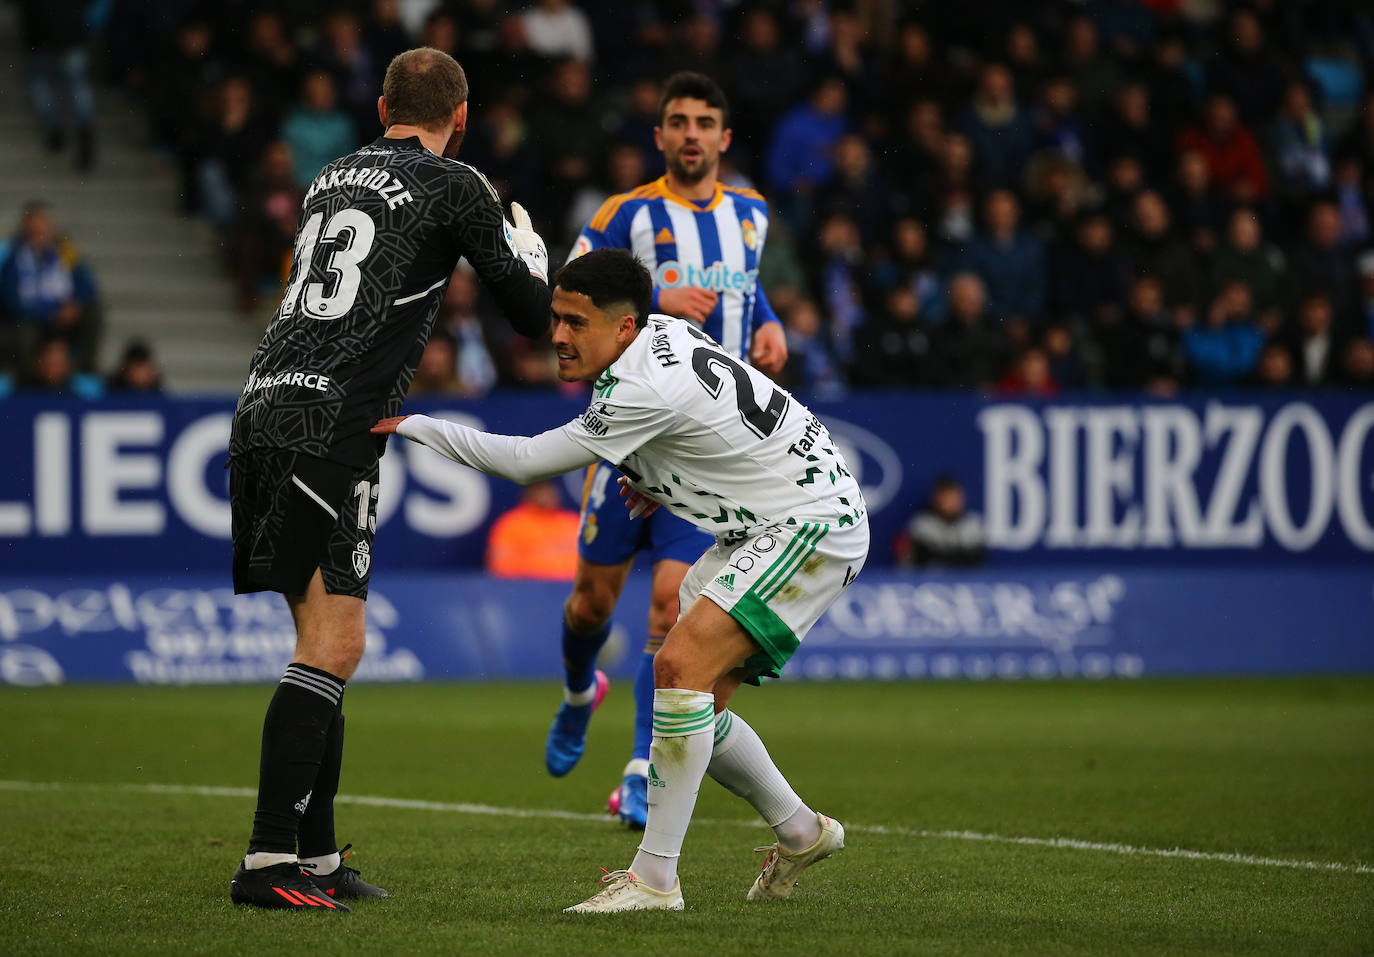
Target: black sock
(317,826)
(294,736)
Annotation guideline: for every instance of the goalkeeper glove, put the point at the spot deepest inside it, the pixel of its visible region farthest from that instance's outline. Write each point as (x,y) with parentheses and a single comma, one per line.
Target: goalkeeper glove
(525,242)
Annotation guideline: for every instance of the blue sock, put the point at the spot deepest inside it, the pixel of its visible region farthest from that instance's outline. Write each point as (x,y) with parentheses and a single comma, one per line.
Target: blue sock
(579,656)
(644,705)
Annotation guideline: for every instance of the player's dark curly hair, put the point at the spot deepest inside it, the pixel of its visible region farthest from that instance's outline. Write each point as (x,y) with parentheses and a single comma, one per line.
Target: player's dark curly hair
(694,86)
(422,88)
(609,276)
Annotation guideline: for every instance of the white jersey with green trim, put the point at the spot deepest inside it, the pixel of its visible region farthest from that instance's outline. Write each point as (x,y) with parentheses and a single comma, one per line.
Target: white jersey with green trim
(713,439)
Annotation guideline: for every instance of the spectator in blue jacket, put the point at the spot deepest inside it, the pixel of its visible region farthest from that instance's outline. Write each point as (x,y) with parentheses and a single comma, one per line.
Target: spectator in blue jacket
(811,366)
(49,371)
(1009,260)
(1000,130)
(801,157)
(1301,150)
(317,130)
(45,286)
(913,264)
(859,189)
(1057,125)
(1225,349)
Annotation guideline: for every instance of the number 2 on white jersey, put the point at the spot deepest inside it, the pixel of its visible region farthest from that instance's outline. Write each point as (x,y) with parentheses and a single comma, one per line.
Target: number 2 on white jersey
(707,360)
(351,232)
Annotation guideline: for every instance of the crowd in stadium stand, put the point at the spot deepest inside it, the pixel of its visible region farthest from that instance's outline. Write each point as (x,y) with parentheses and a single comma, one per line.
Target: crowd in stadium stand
(1013,197)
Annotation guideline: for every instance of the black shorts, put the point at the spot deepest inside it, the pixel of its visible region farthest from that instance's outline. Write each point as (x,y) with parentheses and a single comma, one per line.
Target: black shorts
(294,513)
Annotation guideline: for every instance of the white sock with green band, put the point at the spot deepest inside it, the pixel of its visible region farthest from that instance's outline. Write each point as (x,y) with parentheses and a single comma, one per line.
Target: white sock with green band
(683,726)
(740,763)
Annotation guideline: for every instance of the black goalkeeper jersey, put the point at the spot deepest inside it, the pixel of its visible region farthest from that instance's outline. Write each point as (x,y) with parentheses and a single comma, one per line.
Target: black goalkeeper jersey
(381,232)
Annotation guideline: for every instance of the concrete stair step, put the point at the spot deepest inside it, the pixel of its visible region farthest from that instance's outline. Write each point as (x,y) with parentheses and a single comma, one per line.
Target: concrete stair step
(212,384)
(108,189)
(116,119)
(187,302)
(149,251)
(209,348)
(166,318)
(150,280)
(138,224)
(220,368)
(123,161)
(239,340)
(179,313)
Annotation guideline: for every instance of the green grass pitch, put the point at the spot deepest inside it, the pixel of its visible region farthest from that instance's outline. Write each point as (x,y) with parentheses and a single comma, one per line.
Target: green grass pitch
(107,862)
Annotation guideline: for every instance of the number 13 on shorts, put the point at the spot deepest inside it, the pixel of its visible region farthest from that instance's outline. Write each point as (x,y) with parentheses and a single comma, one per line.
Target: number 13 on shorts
(366,494)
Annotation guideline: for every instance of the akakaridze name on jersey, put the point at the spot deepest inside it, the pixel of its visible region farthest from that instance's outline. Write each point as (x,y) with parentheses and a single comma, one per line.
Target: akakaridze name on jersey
(717,277)
(382,181)
(307,380)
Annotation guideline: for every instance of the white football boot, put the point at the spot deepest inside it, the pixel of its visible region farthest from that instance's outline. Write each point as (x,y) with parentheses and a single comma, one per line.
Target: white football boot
(624,891)
(782,868)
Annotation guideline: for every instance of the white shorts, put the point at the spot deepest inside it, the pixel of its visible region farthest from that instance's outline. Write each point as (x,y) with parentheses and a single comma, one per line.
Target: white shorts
(778,582)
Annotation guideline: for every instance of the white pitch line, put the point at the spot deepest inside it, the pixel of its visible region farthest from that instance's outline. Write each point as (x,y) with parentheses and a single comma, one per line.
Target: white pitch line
(1064,843)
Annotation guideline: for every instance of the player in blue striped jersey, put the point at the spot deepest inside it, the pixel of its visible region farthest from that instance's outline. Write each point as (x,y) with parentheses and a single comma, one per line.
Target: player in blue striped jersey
(701,241)
(703,254)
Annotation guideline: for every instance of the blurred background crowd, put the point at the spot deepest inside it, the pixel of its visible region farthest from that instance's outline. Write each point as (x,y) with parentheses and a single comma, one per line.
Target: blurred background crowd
(1018,198)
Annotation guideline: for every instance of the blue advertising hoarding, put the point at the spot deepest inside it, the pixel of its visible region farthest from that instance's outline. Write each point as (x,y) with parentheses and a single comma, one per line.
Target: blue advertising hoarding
(1028,625)
(1224,534)
(1238,479)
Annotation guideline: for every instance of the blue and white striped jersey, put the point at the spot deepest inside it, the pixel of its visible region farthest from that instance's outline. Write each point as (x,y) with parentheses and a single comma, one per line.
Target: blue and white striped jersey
(713,244)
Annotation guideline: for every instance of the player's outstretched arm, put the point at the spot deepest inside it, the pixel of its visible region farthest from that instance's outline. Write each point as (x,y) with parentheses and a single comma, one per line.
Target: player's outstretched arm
(518,458)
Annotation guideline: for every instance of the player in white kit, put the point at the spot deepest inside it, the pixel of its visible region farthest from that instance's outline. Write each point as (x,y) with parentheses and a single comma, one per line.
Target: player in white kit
(696,431)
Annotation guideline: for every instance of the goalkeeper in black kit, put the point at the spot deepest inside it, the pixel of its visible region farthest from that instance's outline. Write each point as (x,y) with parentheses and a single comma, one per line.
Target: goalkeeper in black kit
(381,231)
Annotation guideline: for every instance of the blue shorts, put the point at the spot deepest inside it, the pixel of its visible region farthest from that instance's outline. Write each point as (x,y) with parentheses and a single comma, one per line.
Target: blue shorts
(608,536)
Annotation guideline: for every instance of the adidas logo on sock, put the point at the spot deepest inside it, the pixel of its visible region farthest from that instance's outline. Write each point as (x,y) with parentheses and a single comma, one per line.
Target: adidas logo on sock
(727,581)
(303,803)
(654,780)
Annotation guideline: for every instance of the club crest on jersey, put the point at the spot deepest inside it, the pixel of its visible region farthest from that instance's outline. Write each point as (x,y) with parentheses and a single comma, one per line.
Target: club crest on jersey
(362,559)
(581,247)
(750,234)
